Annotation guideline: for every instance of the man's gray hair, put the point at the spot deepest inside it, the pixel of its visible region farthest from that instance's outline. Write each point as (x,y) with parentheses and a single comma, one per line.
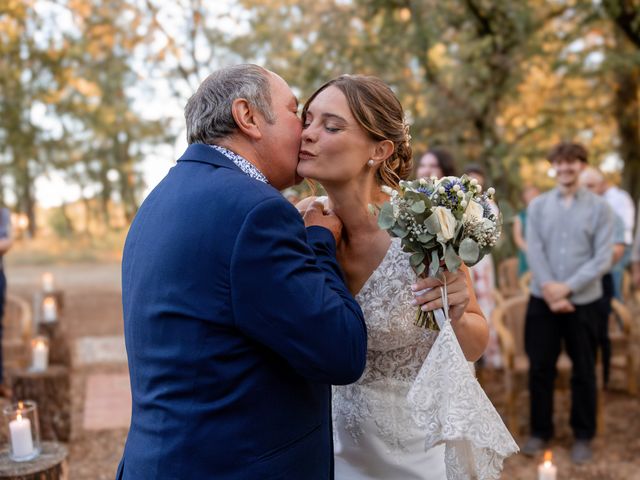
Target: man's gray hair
(208,111)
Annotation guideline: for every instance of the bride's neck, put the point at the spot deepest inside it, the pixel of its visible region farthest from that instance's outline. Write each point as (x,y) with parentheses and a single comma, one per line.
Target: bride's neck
(351,201)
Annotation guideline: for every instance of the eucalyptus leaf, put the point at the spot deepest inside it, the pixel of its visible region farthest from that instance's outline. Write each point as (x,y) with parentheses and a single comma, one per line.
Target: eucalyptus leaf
(469,251)
(419,269)
(451,259)
(425,238)
(416,259)
(434,265)
(432,224)
(399,231)
(418,207)
(386,219)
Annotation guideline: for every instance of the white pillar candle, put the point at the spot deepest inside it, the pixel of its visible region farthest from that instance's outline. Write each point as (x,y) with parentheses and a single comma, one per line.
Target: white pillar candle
(40,356)
(21,438)
(547,470)
(49,311)
(47,282)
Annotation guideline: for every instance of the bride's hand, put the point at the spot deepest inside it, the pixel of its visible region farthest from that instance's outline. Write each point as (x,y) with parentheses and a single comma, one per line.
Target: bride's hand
(457,292)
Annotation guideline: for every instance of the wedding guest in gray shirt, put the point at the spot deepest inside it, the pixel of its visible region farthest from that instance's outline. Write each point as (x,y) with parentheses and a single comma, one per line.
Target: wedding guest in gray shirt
(569,248)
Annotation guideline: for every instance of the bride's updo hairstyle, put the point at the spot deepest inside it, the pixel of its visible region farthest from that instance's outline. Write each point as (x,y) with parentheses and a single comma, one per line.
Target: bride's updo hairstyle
(378,111)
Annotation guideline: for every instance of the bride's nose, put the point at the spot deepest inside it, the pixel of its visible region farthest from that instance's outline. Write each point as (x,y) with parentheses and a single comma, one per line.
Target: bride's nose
(308,134)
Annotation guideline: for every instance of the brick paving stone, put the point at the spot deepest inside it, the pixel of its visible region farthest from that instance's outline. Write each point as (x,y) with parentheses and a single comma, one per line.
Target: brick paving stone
(103,349)
(107,402)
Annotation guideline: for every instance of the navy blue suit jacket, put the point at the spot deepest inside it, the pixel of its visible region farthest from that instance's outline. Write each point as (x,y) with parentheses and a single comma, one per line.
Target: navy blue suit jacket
(237,321)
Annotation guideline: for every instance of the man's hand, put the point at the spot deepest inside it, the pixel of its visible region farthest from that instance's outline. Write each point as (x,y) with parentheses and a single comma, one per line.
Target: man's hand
(316,216)
(562,306)
(555,291)
(457,293)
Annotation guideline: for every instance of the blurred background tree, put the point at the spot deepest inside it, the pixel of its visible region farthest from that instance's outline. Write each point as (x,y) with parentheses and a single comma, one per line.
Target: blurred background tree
(496,82)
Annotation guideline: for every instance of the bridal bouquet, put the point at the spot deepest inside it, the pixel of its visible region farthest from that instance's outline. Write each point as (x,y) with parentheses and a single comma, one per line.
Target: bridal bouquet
(442,223)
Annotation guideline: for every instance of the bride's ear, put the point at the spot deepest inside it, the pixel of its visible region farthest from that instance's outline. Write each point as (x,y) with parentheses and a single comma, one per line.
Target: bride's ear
(246,118)
(382,150)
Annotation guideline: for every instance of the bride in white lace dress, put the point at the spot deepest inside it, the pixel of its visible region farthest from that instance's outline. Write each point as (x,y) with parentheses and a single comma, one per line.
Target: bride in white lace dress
(354,141)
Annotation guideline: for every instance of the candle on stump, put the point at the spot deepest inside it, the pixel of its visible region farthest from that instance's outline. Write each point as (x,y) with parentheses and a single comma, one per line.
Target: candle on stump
(47,282)
(21,438)
(40,354)
(547,470)
(49,310)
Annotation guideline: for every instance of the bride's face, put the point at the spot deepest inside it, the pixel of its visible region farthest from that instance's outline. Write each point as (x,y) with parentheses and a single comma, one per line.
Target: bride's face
(333,147)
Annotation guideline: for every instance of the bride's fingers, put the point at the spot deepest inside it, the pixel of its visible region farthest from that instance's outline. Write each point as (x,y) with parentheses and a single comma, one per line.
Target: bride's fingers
(429,302)
(423,296)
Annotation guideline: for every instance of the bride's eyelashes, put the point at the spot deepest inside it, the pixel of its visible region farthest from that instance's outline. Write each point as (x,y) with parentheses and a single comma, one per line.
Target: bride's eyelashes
(328,128)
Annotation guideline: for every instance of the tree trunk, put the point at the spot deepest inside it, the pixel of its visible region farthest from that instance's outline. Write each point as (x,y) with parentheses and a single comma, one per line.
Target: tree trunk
(627,113)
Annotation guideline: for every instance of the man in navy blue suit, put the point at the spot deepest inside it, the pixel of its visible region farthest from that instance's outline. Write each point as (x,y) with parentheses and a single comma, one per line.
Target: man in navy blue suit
(237,319)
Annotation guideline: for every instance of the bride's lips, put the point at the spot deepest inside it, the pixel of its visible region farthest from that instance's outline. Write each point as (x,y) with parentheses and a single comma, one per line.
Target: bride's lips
(306,155)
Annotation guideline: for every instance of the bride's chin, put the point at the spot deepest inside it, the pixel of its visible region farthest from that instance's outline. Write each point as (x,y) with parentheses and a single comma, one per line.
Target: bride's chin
(306,173)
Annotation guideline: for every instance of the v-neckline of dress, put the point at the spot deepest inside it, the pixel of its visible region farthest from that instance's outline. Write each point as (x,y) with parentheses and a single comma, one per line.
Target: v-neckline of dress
(375,270)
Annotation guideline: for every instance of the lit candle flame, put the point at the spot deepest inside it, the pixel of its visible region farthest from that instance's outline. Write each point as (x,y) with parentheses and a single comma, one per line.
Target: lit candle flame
(548,456)
(20,405)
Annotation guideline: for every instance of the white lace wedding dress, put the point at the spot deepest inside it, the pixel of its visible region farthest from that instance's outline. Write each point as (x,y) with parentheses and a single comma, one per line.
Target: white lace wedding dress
(402,405)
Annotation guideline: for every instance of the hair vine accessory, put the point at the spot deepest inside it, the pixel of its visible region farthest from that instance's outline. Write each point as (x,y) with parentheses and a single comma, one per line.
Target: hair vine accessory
(407,135)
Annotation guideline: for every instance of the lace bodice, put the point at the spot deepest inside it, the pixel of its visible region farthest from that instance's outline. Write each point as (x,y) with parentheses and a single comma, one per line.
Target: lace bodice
(396,351)
(396,348)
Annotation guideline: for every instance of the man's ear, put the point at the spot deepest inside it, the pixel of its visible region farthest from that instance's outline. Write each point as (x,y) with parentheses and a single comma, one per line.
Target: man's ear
(382,151)
(245,118)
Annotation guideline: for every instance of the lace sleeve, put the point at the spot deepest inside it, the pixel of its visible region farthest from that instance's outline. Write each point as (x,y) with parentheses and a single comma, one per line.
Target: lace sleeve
(447,401)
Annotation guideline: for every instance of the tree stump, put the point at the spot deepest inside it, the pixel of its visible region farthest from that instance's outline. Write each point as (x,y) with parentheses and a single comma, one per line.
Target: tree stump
(51,390)
(59,351)
(51,464)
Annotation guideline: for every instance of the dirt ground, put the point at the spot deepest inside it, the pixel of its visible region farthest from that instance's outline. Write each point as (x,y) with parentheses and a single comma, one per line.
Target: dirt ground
(93,308)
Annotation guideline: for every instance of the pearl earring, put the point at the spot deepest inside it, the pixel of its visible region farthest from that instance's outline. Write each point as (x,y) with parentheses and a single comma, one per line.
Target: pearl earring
(370,163)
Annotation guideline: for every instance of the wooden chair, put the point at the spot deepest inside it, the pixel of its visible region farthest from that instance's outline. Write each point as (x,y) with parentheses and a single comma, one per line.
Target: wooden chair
(16,337)
(509,320)
(524,282)
(624,347)
(508,277)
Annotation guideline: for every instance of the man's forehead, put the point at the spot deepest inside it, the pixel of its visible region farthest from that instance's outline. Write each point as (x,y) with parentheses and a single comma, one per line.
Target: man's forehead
(278,84)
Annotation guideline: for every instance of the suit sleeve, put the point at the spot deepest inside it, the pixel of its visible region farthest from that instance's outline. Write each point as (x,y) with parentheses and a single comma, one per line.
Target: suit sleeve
(288,294)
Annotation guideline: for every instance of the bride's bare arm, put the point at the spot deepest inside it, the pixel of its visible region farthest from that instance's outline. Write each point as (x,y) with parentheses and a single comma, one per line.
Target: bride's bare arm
(467,319)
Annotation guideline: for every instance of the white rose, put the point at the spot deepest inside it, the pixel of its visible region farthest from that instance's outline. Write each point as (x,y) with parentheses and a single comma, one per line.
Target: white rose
(447,223)
(474,211)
